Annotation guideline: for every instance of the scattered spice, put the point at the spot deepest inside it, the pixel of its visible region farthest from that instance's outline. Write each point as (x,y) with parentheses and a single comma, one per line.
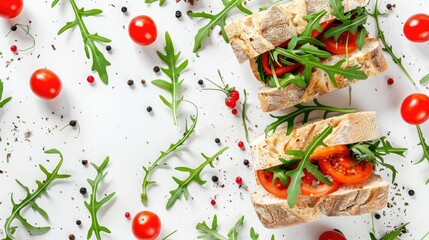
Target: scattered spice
(124,9)
(213,202)
(73,123)
(78,222)
(240,144)
(13,48)
(143,81)
(84,162)
(90,79)
(178,14)
(377,216)
(200,82)
(215,179)
(127,215)
(149,109)
(109,48)
(239,180)
(390,81)
(130,82)
(246,162)
(234,111)
(72,237)
(156,69)
(82,190)
(411,192)
(13,28)
(217,140)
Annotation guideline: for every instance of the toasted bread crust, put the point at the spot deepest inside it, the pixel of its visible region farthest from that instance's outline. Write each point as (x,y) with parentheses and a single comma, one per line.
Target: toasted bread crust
(348,200)
(263,31)
(370,60)
(347,129)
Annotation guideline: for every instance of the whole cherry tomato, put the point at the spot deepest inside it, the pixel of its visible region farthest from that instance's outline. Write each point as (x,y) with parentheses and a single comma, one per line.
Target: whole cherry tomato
(146,225)
(415,108)
(45,83)
(142,30)
(416,28)
(10,8)
(332,235)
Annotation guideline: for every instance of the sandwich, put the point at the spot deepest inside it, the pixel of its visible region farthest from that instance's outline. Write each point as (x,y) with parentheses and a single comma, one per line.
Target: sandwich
(324,167)
(306,48)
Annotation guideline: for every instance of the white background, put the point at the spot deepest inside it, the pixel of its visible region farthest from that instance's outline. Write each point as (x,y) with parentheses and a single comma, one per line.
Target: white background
(114,122)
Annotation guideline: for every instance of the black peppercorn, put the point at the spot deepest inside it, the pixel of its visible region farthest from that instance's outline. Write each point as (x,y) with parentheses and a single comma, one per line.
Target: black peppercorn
(215,179)
(389,6)
(178,14)
(200,82)
(246,162)
(217,140)
(124,9)
(82,190)
(72,237)
(149,109)
(156,69)
(377,216)
(13,28)
(130,82)
(84,162)
(78,222)
(108,48)
(411,192)
(73,123)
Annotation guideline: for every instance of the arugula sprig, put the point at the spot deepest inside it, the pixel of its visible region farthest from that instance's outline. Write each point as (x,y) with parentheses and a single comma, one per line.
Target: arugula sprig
(244,115)
(173,72)
(388,48)
(255,236)
(218,19)
(6,100)
(30,200)
(99,61)
(164,154)
(194,176)
(374,152)
(94,205)
(390,235)
(161,2)
(211,232)
(303,110)
(425,147)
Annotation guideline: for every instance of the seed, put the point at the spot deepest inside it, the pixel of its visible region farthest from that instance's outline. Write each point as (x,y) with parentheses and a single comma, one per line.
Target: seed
(13,48)
(149,109)
(82,190)
(411,192)
(200,82)
(72,237)
(127,215)
(213,202)
(78,222)
(246,162)
(73,123)
(215,179)
(108,48)
(234,111)
(156,69)
(124,9)
(377,216)
(178,14)
(239,180)
(240,144)
(90,79)
(84,162)
(13,28)
(130,82)
(217,140)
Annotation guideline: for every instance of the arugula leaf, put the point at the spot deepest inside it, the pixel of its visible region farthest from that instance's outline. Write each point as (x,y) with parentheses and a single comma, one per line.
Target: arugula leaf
(169,235)
(218,19)
(303,110)
(296,174)
(424,80)
(99,61)
(30,200)
(312,23)
(173,72)
(374,152)
(6,100)
(388,48)
(194,175)
(425,147)
(244,116)
(94,205)
(253,234)
(287,79)
(349,26)
(161,2)
(211,232)
(338,10)
(164,154)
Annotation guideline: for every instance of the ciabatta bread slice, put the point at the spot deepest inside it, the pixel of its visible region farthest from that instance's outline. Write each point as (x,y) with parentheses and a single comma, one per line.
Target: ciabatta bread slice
(347,129)
(262,31)
(370,60)
(348,200)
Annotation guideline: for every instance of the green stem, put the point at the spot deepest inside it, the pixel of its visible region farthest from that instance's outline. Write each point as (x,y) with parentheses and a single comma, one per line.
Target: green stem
(423,144)
(93,210)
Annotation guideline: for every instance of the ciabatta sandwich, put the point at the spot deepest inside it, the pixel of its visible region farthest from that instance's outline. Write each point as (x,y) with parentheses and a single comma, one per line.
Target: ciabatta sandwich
(306,48)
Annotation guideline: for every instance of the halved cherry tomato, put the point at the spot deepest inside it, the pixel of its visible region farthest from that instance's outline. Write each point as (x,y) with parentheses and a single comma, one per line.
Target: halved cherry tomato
(146,225)
(342,46)
(329,152)
(10,8)
(343,169)
(416,28)
(277,189)
(312,187)
(415,108)
(332,235)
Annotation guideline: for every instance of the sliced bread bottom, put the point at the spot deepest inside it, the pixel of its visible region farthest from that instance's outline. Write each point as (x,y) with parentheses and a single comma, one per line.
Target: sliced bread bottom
(352,199)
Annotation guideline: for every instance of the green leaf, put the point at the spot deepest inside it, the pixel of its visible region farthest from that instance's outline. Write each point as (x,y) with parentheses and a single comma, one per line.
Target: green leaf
(161,2)
(338,10)
(194,176)
(360,40)
(30,200)
(351,27)
(244,116)
(233,234)
(313,23)
(164,154)
(173,71)
(305,111)
(94,205)
(253,234)
(287,79)
(216,20)
(424,145)
(296,174)
(99,61)
(395,233)
(424,80)
(211,232)
(6,100)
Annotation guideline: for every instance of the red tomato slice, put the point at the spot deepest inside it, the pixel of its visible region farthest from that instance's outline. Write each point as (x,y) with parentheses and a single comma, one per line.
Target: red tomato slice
(329,152)
(312,187)
(341,169)
(279,69)
(266,180)
(332,235)
(324,25)
(341,46)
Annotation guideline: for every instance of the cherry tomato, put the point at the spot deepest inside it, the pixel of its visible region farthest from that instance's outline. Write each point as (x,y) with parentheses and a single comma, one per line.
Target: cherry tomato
(10,8)
(342,169)
(332,235)
(415,108)
(416,28)
(142,30)
(235,94)
(278,189)
(45,83)
(312,187)
(230,102)
(146,225)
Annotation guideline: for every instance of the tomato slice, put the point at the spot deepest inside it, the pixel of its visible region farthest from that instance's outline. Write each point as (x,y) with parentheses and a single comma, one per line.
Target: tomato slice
(329,152)
(277,189)
(312,187)
(341,46)
(324,25)
(342,169)
(279,69)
